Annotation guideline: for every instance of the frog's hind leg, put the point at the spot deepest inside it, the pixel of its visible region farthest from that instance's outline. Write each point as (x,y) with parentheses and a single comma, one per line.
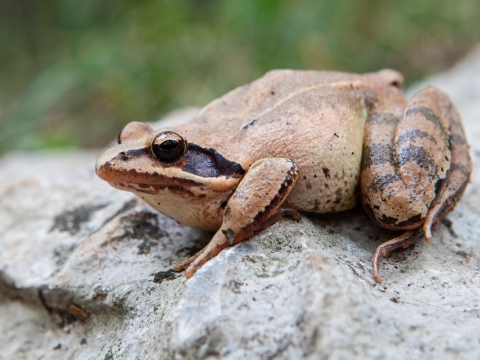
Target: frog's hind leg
(255,205)
(415,167)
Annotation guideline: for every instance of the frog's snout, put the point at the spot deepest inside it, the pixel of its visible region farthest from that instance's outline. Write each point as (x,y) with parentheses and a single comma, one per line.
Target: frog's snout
(104,165)
(99,169)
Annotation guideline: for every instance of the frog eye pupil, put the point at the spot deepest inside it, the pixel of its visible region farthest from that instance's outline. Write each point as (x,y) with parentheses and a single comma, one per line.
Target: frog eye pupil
(169,145)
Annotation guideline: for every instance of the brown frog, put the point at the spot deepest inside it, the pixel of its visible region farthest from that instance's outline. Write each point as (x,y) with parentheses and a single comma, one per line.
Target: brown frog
(300,141)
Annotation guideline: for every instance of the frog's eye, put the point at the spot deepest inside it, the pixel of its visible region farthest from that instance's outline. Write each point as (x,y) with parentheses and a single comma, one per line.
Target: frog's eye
(168,146)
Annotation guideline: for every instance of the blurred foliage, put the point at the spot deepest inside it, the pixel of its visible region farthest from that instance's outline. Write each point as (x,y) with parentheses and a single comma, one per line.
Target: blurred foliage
(73,72)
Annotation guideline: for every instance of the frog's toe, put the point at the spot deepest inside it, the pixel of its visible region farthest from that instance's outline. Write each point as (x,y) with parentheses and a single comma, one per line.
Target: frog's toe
(213,248)
(384,250)
(447,200)
(185,263)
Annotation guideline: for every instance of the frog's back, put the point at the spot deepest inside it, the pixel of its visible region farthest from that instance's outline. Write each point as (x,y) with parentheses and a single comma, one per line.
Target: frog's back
(264,93)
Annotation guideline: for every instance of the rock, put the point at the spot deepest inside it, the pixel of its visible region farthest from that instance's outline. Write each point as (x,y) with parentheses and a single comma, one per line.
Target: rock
(86,273)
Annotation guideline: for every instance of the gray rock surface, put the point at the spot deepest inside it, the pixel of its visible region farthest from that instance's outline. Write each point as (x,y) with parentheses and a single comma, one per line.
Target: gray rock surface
(85,273)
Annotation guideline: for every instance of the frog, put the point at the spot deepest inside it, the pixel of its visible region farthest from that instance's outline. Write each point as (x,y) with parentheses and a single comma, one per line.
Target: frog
(298,141)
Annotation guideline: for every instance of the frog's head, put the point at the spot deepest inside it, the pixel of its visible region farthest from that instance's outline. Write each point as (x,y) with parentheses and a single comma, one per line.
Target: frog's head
(163,161)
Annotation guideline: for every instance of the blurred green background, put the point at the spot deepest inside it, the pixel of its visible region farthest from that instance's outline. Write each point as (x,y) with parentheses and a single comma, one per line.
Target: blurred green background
(73,73)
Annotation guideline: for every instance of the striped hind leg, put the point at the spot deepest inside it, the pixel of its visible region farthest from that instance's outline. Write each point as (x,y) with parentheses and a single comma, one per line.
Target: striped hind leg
(415,168)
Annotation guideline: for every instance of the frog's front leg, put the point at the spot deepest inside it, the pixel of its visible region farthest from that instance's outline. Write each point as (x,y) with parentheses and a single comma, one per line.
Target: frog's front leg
(415,168)
(254,206)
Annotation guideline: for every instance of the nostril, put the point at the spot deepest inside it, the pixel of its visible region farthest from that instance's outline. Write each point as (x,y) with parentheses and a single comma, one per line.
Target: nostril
(123,156)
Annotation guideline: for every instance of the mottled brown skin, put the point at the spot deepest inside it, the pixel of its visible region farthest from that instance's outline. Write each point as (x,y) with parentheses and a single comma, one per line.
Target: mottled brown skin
(293,140)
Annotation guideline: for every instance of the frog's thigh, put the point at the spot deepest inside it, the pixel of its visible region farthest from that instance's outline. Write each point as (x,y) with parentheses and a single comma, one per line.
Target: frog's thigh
(254,205)
(405,160)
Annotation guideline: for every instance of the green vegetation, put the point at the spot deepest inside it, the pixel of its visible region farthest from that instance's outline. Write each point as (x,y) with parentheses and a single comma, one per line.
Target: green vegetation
(72,73)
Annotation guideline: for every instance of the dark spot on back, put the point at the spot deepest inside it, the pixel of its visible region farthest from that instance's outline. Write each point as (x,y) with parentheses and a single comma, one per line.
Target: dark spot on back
(249,124)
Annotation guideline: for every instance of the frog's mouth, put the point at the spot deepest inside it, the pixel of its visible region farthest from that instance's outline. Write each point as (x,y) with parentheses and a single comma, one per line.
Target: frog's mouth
(142,188)
(154,189)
